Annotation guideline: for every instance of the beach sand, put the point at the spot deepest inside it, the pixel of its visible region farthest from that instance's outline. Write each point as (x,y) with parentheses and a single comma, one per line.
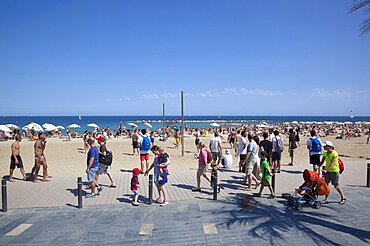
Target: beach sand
(68,158)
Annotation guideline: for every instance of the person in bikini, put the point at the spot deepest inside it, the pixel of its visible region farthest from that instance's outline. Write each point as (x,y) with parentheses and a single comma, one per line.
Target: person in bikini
(15,159)
(40,159)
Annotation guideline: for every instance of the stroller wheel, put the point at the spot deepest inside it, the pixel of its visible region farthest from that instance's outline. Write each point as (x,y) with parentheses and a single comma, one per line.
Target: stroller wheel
(317,205)
(291,201)
(298,206)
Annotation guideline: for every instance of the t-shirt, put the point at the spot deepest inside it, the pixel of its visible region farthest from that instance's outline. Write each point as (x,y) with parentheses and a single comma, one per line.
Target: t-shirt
(241,149)
(93,152)
(265,167)
(266,145)
(252,147)
(134,182)
(292,141)
(275,143)
(202,161)
(329,158)
(309,144)
(227,160)
(214,144)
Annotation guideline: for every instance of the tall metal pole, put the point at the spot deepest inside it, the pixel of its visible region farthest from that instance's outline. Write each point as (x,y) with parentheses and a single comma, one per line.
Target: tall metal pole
(163,120)
(182,123)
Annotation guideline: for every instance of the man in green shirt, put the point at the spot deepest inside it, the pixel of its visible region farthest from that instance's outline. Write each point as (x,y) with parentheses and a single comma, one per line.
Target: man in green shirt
(331,170)
(266,175)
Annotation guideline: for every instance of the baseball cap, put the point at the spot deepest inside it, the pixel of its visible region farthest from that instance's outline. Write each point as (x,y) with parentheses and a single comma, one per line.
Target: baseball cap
(136,171)
(327,143)
(101,139)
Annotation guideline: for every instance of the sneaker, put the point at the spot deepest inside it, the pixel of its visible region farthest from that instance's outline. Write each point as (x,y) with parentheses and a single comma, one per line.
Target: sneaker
(164,203)
(90,195)
(100,189)
(135,203)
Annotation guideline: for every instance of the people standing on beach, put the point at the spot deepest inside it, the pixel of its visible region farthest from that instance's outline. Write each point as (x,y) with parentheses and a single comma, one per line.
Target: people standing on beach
(177,138)
(68,134)
(232,138)
(197,137)
(331,170)
(144,143)
(40,159)
(266,145)
(215,147)
(92,167)
(86,135)
(16,160)
(314,146)
(292,145)
(135,142)
(103,168)
(251,160)
(202,165)
(277,149)
(242,149)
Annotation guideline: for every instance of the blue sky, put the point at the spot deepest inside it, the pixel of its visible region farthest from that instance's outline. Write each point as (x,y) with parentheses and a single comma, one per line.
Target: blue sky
(229,57)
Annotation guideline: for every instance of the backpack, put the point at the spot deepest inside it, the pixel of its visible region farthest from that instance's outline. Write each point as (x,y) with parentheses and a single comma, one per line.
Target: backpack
(341,166)
(316,145)
(209,157)
(145,144)
(106,160)
(279,145)
(322,187)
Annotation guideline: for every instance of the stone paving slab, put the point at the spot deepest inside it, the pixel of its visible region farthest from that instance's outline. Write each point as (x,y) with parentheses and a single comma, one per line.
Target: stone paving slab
(268,222)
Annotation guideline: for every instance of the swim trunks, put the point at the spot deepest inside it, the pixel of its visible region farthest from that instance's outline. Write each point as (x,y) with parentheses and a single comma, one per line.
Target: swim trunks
(12,162)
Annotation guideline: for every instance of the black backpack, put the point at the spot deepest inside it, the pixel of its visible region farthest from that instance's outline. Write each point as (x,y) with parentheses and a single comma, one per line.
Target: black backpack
(107,159)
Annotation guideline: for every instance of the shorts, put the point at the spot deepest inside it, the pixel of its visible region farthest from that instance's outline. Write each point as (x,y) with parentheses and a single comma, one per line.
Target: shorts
(332,177)
(291,153)
(315,159)
(243,157)
(201,170)
(197,141)
(12,162)
(135,144)
(144,157)
(103,169)
(249,167)
(136,192)
(163,179)
(232,140)
(152,140)
(265,181)
(92,173)
(276,156)
(215,156)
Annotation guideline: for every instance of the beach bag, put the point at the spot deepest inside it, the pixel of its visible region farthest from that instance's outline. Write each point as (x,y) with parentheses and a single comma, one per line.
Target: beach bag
(145,145)
(107,159)
(341,166)
(209,157)
(316,145)
(322,187)
(279,145)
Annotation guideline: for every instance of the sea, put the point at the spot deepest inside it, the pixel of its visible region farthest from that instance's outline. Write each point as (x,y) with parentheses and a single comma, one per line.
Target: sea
(157,121)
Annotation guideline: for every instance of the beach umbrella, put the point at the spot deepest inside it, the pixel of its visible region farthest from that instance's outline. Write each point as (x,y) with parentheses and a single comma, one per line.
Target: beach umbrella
(132,125)
(49,127)
(302,122)
(358,122)
(328,122)
(60,127)
(262,126)
(215,124)
(308,122)
(36,127)
(148,125)
(4,128)
(93,125)
(347,122)
(295,122)
(320,123)
(74,126)
(12,126)
(367,123)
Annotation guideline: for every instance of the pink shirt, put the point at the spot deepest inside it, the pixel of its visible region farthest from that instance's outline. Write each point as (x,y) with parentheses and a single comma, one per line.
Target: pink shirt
(202,157)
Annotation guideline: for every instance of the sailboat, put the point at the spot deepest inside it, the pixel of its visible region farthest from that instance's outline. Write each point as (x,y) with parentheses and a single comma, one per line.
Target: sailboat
(79,117)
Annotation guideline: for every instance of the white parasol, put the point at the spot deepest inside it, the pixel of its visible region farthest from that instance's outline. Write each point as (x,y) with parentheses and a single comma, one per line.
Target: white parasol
(347,122)
(12,126)
(132,125)
(215,124)
(93,125)
(49,127)
(33,126)
(294,122)
(148,125)
(4,128)
(262,126)
(60,127)
(74,126)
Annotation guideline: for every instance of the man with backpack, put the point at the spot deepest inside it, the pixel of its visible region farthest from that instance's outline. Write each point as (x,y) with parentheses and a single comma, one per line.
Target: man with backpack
(145,144)
(277,149)
(314,145)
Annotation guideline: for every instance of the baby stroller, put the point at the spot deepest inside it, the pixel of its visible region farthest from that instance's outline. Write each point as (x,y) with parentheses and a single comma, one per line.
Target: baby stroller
(307,192)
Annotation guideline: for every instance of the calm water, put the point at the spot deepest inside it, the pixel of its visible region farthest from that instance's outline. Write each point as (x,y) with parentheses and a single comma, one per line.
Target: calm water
(193,121)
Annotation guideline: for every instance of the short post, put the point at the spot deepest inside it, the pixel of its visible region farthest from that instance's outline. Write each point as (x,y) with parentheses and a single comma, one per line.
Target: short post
(4,196)
(215,188)
(150,189)
(79,191)
(368,174)
(273,179)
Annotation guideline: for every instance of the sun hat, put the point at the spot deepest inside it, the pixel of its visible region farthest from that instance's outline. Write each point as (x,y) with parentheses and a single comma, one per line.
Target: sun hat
(327,143)
(101,139)
(136,171)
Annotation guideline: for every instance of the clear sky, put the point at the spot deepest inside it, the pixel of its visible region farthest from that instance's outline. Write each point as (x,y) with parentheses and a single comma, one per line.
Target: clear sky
(235,57)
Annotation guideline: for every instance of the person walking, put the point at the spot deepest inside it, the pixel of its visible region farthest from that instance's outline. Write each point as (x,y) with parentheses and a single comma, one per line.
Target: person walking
(277,149)
(215,147)
(135,142)
(242,149)
(103,168)
(202,165)
(251,160)
(266,145)
(16,160)
(331,170)
(314,146)
(292,145)
(144,143)
(40,159)
(92,167)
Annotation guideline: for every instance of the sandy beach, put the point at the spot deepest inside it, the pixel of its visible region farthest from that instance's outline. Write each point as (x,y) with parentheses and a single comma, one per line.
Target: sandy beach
(68,158)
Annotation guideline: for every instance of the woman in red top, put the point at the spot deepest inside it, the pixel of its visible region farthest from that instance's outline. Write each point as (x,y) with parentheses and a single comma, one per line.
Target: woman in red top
(202,164)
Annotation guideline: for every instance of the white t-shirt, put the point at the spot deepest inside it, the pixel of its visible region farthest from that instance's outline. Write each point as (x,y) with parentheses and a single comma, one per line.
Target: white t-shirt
(215,142)
(140,140)
(227,160)
(242,150)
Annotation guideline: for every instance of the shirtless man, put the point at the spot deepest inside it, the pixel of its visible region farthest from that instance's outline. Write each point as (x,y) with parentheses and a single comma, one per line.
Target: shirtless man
(135,142)
(16,160)
(40,159)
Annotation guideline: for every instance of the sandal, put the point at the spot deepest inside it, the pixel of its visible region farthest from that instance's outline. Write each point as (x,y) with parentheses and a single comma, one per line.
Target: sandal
(158,200)
(343,201)
(112,186)
(324,202)
(257,194)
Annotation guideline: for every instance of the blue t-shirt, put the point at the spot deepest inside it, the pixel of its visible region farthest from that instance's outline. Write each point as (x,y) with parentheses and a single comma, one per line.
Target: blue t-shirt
(93,152)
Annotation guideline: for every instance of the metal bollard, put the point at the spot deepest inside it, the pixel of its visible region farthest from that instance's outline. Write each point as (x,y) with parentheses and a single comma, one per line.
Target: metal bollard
(79,191)
(4,196)
(150,189)
(215,188)
(273,180)
(368,174)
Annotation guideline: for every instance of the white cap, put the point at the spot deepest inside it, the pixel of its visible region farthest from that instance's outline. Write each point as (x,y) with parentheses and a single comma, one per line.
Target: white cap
(227,151)
(327,143)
